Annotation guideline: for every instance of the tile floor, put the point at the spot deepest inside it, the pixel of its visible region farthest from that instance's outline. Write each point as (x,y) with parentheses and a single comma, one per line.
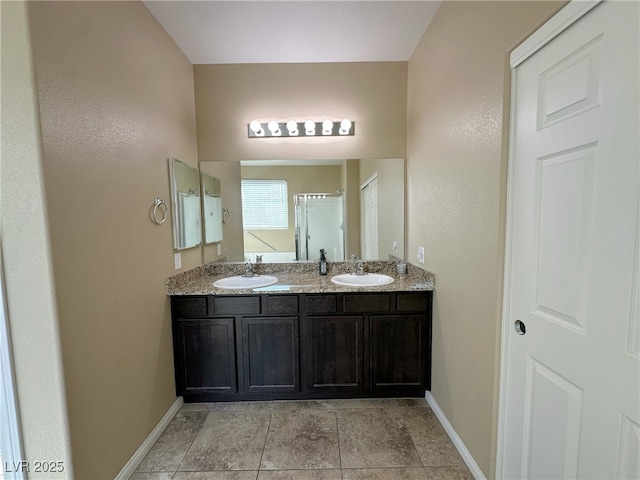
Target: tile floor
(372,439)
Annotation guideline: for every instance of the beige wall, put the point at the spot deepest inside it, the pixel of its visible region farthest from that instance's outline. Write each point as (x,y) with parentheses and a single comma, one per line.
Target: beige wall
(116,99)
(300,179)
(373,95)
(391,186)
(29,292)
(456,182)
(350,174)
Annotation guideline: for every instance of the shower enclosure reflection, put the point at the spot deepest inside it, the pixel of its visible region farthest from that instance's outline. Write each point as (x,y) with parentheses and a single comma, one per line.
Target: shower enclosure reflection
(319,224)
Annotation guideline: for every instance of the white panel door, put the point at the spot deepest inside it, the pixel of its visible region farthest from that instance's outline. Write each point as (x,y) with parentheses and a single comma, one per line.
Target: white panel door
(571,372)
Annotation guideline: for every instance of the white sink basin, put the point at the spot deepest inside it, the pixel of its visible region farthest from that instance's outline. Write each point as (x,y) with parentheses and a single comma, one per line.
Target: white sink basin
(366,280)
(239,281)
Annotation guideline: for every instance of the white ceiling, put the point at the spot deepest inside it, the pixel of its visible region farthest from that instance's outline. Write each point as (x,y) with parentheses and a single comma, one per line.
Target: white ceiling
(294,31)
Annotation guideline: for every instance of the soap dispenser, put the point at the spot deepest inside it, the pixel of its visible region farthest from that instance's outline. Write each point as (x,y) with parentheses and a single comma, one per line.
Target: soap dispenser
(322,266)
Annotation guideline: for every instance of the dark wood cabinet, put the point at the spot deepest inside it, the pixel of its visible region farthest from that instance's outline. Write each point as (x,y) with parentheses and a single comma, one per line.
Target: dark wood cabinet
(271,354)
(335,354)
(399,345)
(205,356)
(295,346)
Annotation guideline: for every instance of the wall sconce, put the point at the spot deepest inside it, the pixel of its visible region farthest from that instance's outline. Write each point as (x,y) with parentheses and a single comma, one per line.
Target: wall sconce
(293,128)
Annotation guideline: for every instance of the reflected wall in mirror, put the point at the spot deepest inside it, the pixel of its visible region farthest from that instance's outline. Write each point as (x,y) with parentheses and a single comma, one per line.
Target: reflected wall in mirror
(185,205)
(338,177)
(211,208)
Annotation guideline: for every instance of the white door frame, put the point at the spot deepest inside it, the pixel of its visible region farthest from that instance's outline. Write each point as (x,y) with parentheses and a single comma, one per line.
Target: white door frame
(551,29)
(10,438)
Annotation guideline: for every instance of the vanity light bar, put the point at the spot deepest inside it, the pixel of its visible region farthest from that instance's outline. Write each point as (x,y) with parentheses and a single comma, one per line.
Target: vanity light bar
(327,128)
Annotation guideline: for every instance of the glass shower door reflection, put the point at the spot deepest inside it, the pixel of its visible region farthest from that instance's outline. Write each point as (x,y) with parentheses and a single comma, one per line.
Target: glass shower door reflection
(319,224)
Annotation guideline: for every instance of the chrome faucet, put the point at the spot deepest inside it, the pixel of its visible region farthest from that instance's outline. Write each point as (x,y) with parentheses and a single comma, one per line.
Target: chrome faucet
(358,269)
(248,270)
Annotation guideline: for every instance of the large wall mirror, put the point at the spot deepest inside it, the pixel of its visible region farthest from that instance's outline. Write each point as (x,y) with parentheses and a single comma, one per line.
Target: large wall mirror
(288,210)
(185,205)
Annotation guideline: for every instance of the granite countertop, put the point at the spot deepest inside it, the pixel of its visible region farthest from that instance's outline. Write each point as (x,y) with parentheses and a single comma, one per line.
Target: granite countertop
(296,277)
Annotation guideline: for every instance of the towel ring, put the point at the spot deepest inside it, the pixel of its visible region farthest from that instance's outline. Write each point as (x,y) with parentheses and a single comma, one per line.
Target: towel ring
(157,203)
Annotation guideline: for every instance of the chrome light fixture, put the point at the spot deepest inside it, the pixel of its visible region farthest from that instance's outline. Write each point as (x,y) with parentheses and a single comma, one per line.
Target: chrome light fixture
(294,128)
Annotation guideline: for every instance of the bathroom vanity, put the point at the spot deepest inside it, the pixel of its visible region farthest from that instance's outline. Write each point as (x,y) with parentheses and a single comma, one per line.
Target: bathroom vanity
(301,338)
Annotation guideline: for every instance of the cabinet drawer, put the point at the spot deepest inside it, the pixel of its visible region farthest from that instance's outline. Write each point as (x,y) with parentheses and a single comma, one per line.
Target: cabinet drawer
(412,302)
(317,304)
(361,303)
(237,305)
(190,306)
(282,304)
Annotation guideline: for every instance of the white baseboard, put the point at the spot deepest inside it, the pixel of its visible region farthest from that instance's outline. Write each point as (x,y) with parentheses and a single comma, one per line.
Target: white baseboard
(457,441)
(142,451)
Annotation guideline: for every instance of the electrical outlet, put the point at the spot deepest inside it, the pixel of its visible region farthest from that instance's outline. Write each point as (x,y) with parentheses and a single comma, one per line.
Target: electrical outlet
(177,260)
(421,255)
(395,246)
(219,249)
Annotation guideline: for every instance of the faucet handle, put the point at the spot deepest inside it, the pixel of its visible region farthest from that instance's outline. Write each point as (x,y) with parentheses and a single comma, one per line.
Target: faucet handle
(354,258)
(248,269)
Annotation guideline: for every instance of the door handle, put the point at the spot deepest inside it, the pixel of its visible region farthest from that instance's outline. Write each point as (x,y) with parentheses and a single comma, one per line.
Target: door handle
(520,327)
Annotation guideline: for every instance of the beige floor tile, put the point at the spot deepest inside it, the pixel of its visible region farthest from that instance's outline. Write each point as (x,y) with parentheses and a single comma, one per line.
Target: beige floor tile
(411,402)
(167,453)
(301,405)
(304,439)
(300,475)
(448,473)
(384,474)
(152,476)
(431,441)
(375,437)
(228,440)
(362,403)
(195,407)
(243,406)
(237,475)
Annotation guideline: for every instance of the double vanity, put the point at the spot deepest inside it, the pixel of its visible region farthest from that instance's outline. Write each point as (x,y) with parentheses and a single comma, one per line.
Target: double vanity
(290,333)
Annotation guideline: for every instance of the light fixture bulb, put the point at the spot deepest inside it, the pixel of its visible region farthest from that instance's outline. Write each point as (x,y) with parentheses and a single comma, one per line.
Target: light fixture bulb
(345,126)
(327,127)
(274,128)
(256,128)
(292,128)
(310,127)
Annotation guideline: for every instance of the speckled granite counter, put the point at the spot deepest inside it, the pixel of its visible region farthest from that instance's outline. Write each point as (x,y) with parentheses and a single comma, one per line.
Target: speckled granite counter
(296,277)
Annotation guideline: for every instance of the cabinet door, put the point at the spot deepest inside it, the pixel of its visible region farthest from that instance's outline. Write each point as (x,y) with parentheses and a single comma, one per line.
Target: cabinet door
(205,356)
(271,354)
(399,353)
(335,354)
